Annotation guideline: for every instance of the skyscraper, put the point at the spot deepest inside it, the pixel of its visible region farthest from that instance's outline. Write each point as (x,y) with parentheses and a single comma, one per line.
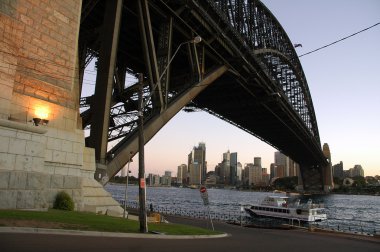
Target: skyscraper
(182,174)
(198,157)
(226,168)
(273,170)
(281,159)
(233,168)
(289,167)
(338,170)
(252,175)
(257,161)
(357,171)
(167,178)
(194,174)
(239,172)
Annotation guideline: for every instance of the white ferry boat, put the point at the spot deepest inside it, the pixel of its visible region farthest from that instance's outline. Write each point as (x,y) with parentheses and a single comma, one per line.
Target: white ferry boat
(280,207)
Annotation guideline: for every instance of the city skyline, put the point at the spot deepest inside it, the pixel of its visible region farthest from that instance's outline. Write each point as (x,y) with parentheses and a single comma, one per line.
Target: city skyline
(279,159)
(343,82)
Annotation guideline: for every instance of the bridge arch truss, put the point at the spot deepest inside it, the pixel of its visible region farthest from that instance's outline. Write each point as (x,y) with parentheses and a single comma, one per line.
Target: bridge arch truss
(245,69)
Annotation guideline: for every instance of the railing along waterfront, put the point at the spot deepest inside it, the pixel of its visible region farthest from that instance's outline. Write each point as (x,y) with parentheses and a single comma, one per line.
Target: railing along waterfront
(230,217)
(333,225)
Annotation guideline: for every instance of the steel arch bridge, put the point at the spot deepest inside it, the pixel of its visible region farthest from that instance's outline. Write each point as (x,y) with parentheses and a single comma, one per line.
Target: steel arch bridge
(244,71)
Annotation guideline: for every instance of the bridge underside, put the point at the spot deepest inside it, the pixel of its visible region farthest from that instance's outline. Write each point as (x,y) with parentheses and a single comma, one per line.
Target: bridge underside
(252,85)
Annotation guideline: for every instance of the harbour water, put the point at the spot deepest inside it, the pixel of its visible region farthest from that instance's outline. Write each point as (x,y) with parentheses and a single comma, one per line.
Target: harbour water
(354,213)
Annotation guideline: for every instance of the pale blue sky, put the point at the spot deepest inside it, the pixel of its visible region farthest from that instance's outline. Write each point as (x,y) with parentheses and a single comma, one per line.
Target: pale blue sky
(344,81)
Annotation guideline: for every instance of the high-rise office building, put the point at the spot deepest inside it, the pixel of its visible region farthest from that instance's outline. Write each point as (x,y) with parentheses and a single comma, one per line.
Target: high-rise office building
(338,170)
(195,174)
(167,178)
(239,171)
(357,171)
(252,174)
(150,176)
(280,171)
(289,167)
(281,159)
(198,157)
(273,171)
(257,161)
(233,168)
(182,174)
(154,180)
(226,168)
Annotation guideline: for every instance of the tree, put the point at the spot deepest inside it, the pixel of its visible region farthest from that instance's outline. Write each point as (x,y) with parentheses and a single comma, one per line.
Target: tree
(359,181)
(338,181)
(286,183)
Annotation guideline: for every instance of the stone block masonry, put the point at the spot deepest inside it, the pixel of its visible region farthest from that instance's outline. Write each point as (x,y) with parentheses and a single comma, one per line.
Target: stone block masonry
(39,79)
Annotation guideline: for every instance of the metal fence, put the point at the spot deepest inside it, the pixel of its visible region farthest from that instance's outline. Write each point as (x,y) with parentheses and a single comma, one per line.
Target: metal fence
(241,218)
(231,217)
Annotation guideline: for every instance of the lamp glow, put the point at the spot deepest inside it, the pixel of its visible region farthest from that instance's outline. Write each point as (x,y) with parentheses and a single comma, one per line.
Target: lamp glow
(42,112)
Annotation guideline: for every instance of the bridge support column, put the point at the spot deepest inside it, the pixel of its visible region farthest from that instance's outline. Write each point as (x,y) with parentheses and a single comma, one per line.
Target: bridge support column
(300,187)
(104,82)
(328,183)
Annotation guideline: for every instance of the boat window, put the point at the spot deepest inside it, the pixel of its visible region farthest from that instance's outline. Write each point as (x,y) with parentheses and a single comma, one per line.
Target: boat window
(287,211)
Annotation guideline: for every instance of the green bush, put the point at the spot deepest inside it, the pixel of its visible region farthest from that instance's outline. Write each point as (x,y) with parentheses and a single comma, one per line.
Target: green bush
(63,201)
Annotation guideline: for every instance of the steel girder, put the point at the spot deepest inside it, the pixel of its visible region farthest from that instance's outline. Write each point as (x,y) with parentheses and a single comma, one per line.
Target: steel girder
(264,79)
(260,30)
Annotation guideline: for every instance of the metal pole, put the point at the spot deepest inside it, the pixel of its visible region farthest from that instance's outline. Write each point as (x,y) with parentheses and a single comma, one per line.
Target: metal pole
(209,216)
(142,192)
(126,185)
(241,217)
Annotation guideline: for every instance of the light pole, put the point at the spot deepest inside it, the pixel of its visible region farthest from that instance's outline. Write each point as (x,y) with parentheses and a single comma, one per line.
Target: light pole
(195,40)
(141,105)
(126,184)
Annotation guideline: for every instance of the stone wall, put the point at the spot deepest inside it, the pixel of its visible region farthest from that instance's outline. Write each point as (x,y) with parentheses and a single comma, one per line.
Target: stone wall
(39,79)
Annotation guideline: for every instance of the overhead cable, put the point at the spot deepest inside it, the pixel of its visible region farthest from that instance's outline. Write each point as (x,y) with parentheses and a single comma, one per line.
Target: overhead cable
(356,33)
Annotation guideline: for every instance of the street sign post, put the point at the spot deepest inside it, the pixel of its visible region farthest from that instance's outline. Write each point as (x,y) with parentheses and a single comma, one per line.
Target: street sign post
(204,196)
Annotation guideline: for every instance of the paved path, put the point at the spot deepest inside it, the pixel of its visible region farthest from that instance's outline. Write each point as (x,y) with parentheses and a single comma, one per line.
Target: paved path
(240,239)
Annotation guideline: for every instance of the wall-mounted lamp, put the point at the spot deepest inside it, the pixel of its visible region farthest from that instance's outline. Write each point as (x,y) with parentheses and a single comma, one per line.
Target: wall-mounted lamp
(38,121)
(41,114)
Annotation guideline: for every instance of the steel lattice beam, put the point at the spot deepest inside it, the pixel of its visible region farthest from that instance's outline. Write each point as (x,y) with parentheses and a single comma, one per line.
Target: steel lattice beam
(264,79)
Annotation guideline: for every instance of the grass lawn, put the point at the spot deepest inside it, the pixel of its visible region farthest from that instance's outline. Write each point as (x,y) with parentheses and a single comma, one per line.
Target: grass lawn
(89,221)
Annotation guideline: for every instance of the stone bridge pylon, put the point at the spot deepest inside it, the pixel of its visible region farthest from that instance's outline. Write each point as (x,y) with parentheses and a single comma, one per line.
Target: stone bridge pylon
(42,149)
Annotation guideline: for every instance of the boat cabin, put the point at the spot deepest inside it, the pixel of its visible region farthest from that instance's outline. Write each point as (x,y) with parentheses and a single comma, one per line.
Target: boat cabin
(276,201)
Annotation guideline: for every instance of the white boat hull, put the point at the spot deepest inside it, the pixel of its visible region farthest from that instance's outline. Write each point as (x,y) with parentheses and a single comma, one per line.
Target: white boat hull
(304,215)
